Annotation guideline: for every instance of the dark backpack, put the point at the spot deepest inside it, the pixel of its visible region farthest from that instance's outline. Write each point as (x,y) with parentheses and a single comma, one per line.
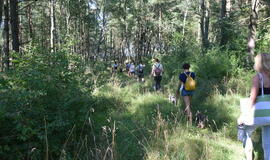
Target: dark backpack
(140,69)
(157,70)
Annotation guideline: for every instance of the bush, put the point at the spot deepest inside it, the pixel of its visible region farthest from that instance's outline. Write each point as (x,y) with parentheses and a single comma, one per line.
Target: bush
(42,98)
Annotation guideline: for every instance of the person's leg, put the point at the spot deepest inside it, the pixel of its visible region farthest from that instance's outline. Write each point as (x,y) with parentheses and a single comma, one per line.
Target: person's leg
(155,85)
(248,148)
(190,112)
(248,145)
(142,78)
(187,107)
(266,142)
(158,85)
(158,82)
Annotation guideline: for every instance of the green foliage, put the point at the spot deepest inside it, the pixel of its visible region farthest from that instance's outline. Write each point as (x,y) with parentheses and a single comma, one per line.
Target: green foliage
(214,64)
(86,112)
(43,96)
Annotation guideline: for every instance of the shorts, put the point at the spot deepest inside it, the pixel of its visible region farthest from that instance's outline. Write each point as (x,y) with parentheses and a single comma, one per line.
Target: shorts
(140,75)
(186,93)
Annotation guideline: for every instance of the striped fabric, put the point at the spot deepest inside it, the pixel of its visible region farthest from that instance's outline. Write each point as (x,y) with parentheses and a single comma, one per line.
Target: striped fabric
(262,108)
(262,111)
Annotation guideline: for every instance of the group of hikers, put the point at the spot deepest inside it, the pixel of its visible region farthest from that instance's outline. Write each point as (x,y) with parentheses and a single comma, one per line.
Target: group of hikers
(258,106)
(131,69)
(186,84)
(138,70)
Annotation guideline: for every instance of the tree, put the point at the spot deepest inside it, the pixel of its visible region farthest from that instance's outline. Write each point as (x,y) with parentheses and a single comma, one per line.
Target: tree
(204,23)
(224,20)
(1,13)
(6,35)
(252,29)
(14,24)
(52,17)
(1,10)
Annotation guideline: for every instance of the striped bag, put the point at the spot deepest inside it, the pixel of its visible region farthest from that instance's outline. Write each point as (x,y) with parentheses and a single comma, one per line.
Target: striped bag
(259,115)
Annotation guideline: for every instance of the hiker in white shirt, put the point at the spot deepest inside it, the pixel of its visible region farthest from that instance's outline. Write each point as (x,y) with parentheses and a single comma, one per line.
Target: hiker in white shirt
(131,71)
(157,72)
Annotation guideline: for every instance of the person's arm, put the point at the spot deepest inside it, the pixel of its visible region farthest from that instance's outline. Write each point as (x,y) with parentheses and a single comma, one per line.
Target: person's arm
(254,90)
(178,90)
(178,87)
(252,99)
(152,72)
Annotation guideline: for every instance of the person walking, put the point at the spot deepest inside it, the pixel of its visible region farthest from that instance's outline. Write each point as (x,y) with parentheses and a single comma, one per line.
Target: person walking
(127,66)
(259,92)
(114,67)
(186,91)
(157,72)
(140,72)
(131,71)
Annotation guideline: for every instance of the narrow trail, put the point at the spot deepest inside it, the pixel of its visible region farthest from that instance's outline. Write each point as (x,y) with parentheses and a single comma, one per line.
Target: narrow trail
(150,127)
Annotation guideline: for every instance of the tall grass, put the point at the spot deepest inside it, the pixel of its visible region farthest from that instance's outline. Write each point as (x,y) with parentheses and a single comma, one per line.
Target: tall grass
(111,116)
(149,127)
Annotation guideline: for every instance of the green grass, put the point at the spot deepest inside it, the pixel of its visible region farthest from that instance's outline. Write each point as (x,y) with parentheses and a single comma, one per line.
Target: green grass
(151,128)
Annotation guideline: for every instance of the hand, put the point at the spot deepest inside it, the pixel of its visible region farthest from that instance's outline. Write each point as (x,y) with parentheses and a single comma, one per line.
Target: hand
(240,120)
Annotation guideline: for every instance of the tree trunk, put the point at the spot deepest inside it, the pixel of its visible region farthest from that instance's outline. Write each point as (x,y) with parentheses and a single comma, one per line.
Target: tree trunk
(14,21)
(159,29)
(223,22)
(252,30)
(185,18)
(6,36)
(30,22)
(204,25)
(52,16)
(1,10)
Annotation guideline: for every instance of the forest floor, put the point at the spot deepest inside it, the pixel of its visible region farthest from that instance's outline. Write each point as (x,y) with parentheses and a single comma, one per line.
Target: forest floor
(148,126)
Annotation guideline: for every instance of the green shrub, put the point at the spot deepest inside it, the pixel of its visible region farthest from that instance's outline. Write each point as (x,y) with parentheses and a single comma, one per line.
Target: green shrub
(42,97)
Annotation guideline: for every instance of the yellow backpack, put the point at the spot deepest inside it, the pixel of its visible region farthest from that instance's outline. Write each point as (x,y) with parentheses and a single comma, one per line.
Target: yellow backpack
(190,84)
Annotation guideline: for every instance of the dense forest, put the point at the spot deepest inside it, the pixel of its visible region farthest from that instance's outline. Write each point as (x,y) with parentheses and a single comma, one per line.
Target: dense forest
(60,100)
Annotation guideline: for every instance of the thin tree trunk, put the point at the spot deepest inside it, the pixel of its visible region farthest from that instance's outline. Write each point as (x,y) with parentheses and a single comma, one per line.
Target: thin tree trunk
(185,18)
(204,25)
(1,13)
(202,7)
(111,46)
(1,10)
(30,22)
(252,30)
(159,29)
(14,21)
(207,18)
(6,36)
(228,7)
(52,16)
(223,36)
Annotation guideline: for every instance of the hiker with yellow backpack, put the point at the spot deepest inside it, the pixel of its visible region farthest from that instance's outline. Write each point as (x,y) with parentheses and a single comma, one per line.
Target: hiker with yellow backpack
(186,86)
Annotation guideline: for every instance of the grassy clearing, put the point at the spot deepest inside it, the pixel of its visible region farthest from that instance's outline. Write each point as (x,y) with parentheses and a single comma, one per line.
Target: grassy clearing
(150,128)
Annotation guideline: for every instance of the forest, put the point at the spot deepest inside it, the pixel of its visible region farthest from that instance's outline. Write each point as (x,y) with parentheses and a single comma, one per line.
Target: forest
(61,100)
